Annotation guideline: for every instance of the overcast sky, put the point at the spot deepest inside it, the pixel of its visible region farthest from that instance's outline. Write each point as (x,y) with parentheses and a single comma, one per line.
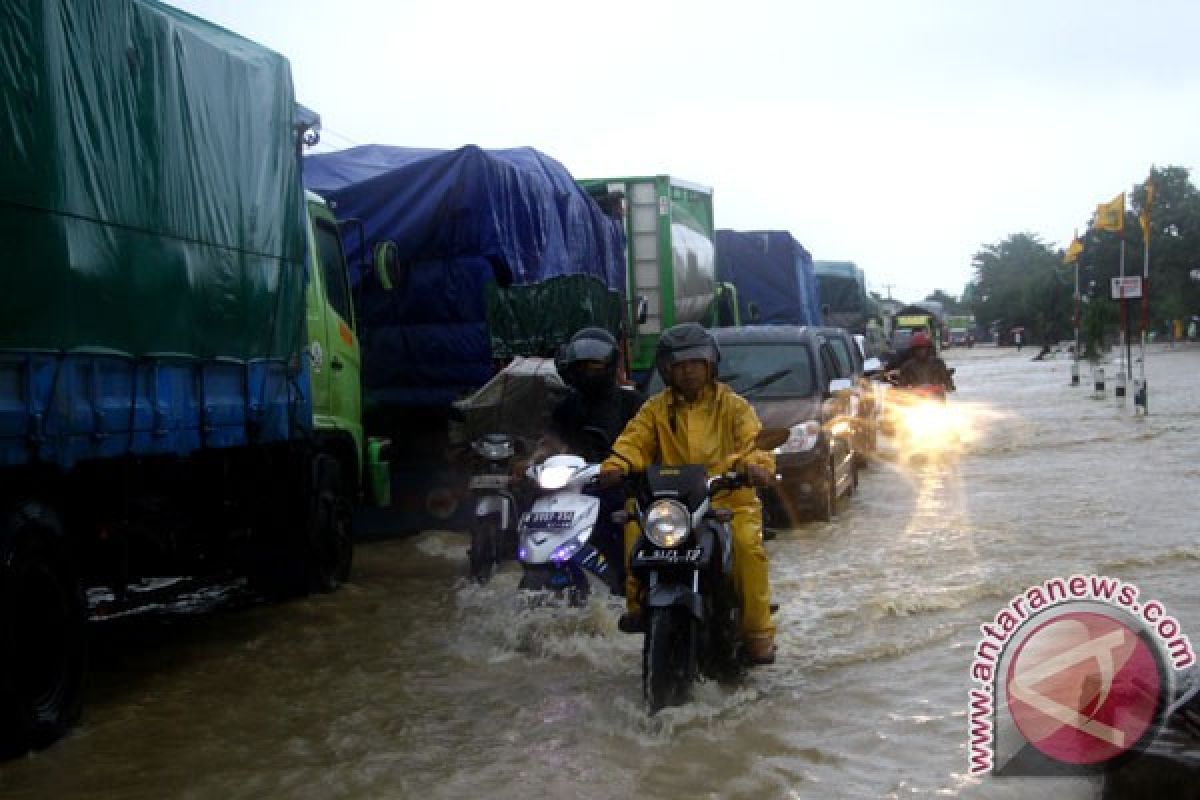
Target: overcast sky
(900,135)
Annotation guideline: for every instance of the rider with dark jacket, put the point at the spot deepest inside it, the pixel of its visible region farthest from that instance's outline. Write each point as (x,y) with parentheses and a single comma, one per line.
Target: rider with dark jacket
(596,403)
(587,422)
(923,368)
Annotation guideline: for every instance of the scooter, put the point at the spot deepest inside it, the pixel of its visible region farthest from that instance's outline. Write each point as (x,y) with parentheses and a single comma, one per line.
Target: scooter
(494,525)
(554,548)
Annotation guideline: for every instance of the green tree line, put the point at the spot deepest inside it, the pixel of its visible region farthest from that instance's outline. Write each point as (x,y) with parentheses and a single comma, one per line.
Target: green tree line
(1021,280)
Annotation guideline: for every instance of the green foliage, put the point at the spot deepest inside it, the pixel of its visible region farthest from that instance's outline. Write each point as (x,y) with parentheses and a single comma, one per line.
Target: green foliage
(1020,281)
(1098,314)
(950,303)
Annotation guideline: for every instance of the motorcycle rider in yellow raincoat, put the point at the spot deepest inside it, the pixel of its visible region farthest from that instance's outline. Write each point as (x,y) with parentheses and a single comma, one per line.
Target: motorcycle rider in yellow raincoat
(696,420)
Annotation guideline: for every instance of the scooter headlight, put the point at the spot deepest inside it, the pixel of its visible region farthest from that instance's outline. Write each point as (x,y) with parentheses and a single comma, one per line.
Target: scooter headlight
(555,476)
(667,523)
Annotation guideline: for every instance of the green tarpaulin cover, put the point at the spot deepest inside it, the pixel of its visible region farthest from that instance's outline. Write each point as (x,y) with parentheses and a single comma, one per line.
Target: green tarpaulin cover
(149,191)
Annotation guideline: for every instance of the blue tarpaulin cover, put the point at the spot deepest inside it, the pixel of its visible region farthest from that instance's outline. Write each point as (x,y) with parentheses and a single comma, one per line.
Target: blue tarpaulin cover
(461,219)
(774,272)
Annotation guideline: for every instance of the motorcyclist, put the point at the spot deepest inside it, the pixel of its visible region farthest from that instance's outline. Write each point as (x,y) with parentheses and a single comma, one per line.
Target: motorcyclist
(923,368)
(696,420)
(588,420)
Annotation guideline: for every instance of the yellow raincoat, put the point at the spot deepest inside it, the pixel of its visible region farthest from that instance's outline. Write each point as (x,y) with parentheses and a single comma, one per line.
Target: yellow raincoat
(718,431)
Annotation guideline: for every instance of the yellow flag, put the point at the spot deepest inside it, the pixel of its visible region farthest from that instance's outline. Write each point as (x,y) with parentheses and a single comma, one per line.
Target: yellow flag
(1144,218)
(1111,216)
(1074,249)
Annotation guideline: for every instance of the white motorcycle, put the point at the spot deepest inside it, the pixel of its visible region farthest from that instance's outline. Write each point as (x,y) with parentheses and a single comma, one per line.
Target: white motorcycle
(553,536)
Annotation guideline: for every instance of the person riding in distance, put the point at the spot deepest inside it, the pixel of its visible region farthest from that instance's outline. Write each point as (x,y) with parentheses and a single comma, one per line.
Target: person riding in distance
(696,420)
(923,368)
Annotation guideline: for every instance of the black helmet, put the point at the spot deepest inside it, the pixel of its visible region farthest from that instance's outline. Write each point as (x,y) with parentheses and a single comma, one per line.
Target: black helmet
(685,342)
(588,344)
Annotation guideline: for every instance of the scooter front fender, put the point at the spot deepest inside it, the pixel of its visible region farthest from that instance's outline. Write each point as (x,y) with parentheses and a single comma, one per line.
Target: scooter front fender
(664,595)
(501,505)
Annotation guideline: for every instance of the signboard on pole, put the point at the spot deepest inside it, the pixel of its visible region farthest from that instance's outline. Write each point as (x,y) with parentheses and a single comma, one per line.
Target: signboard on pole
(1128,287)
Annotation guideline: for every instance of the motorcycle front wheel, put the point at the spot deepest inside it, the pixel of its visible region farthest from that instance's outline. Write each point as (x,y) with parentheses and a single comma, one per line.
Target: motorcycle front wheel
(666,658)
(482,555)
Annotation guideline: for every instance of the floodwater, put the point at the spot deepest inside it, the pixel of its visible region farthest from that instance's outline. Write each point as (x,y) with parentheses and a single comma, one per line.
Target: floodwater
(412,683)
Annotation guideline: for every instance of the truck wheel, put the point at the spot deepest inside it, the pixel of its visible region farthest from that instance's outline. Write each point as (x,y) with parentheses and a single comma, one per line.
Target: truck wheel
(43,636)
(331,534)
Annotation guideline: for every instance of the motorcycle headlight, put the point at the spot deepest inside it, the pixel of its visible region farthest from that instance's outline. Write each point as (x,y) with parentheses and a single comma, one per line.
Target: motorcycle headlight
(555,476)
(801,438)
(667,523)
(494,449)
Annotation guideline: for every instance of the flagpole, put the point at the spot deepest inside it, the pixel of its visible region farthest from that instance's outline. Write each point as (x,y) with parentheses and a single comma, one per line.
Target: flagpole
(1142,397)
(1122,323)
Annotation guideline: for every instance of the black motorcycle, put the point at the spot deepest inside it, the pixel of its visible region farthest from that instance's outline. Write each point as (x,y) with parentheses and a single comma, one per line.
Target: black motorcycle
(684,562)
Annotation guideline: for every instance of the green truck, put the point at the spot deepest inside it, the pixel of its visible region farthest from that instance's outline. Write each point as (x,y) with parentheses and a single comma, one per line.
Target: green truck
(671,257)
(179,371)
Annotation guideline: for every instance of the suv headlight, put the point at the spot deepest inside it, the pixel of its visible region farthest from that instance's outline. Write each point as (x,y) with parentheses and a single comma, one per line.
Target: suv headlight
(801,438)
(667,523)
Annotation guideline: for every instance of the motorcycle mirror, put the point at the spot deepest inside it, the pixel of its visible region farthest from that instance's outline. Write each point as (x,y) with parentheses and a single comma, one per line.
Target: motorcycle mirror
(770,438)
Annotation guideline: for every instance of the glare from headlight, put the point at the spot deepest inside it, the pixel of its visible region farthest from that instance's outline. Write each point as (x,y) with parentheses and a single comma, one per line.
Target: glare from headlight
(801,438)
(555,476)
(667,523)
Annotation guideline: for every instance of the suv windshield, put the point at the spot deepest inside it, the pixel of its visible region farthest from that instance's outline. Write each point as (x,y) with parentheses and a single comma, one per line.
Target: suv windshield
(762,369)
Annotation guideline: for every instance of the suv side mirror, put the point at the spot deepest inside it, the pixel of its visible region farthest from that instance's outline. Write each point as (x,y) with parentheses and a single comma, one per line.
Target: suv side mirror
(387,265)
(643,310)
(840,386)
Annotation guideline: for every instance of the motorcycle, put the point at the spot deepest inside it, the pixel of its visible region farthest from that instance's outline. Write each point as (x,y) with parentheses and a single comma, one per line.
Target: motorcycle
(684,560)
(554,548)
(494,524)
(918,421)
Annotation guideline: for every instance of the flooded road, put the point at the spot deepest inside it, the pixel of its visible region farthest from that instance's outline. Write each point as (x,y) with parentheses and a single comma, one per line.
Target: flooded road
(411,683)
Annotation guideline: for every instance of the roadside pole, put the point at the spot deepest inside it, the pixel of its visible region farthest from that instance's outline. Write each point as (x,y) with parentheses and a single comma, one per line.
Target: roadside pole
(1123,344)
(1141,395)
(1075,361)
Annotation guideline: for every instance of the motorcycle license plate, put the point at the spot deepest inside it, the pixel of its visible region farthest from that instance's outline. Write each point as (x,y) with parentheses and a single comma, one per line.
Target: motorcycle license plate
(551,520)
(686,556)
(488,482)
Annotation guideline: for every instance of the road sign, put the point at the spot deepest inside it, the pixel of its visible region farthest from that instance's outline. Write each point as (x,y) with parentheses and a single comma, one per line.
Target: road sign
(1127,287)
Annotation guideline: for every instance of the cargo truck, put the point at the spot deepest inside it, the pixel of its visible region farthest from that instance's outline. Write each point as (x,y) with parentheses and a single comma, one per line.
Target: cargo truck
(179,390)
(670,258)
(843,291)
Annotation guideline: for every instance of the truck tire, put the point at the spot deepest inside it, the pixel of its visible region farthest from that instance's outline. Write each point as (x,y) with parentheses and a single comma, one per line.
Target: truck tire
(43,635)
(330,528)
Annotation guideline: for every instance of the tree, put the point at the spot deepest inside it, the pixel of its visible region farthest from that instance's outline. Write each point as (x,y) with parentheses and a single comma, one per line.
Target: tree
(1174,247)
(1020,282)
(949,302)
